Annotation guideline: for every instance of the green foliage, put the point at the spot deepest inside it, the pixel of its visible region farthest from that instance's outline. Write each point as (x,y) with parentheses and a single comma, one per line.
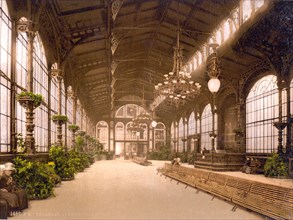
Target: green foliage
(79,142)
(73,127)
(36,178)
(183,157)
(190,157)
(36,98)
(79,160)
(60,118)
(275,166)
(64,165)
(20,142)
(163,153)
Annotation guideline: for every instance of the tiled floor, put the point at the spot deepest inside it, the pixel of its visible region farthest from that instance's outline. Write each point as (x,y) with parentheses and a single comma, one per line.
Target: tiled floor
(121,189)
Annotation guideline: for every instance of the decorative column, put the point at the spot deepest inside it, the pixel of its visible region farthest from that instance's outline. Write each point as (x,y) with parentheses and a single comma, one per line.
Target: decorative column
(214,84)
(213,134)
(61,119)
(184,139)
(280,125)
(239,130)
(26,101)
(73,128)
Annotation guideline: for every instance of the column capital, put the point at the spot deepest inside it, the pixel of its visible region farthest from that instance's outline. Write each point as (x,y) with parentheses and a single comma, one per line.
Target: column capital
(58,73)
(26,26)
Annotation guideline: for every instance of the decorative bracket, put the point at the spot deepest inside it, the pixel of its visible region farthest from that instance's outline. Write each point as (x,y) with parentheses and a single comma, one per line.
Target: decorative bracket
(116,5)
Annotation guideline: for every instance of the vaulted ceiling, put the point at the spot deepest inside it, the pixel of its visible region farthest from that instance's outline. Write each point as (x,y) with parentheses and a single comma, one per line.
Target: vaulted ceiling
(114,52)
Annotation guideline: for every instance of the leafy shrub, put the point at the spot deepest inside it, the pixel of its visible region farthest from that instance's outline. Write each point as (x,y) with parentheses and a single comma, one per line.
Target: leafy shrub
(36,98)
(79,160)
(60,118)
(163,153)
(190,157)
(275,166)
(36,178)
(64,165)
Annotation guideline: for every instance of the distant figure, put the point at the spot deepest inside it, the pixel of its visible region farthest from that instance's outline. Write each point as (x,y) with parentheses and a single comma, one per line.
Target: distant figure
(254,165)
(16,197)
(173,161)
(246,165)
(176,161)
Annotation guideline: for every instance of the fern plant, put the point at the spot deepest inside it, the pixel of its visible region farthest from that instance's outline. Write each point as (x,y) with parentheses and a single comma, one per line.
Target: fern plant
(275,166)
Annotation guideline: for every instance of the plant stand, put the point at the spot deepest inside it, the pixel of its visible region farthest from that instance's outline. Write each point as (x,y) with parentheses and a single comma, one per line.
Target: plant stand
(29,105)
(73,131)
(280,126)
(59,123)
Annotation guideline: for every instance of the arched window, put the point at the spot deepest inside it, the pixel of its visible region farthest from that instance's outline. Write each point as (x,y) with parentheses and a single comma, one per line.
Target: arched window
(206,127)
(41,80)
(160,133)
(180,134)
(261,112)
(130,135)
(5,85)
(191,124)
(102,133)
(119,131)
(78,114)
(219,37)
(226,29)
(258,4)
(246,9)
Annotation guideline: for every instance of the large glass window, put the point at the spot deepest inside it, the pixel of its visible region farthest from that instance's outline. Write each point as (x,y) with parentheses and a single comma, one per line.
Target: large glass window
(159,135)
(206,127)
(5,84)
(41,80)
(191,124)
(119,131)
(181,134)
(21,78)
(261,112)
(103,133)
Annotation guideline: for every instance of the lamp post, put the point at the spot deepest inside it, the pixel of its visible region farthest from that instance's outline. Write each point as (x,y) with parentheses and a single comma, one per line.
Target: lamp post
(213,85)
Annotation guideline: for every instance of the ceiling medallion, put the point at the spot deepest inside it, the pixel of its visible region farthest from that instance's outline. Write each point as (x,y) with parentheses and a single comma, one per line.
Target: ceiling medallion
(177,86)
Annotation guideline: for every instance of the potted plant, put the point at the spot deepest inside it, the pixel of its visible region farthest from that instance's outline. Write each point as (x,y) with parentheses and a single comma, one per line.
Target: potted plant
(27,99)
(59,119)
(275,166)
(73,127)
(81,133)
(63,164)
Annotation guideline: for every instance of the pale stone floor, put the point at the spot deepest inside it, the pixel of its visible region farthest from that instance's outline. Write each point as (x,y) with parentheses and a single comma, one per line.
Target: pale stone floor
(121,189)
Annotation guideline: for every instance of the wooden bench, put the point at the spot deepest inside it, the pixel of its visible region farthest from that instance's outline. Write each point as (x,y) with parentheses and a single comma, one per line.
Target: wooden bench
(141,161)
(270,200)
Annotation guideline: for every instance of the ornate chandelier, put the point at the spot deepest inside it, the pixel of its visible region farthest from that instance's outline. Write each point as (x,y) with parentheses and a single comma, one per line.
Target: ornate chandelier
(177,86)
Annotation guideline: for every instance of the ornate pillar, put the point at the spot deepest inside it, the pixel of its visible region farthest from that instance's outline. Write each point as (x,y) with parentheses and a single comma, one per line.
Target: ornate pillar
(280,125)
(213,134)
(74,119)
(28,27)
(58,73)
(184,139)
(240,130)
